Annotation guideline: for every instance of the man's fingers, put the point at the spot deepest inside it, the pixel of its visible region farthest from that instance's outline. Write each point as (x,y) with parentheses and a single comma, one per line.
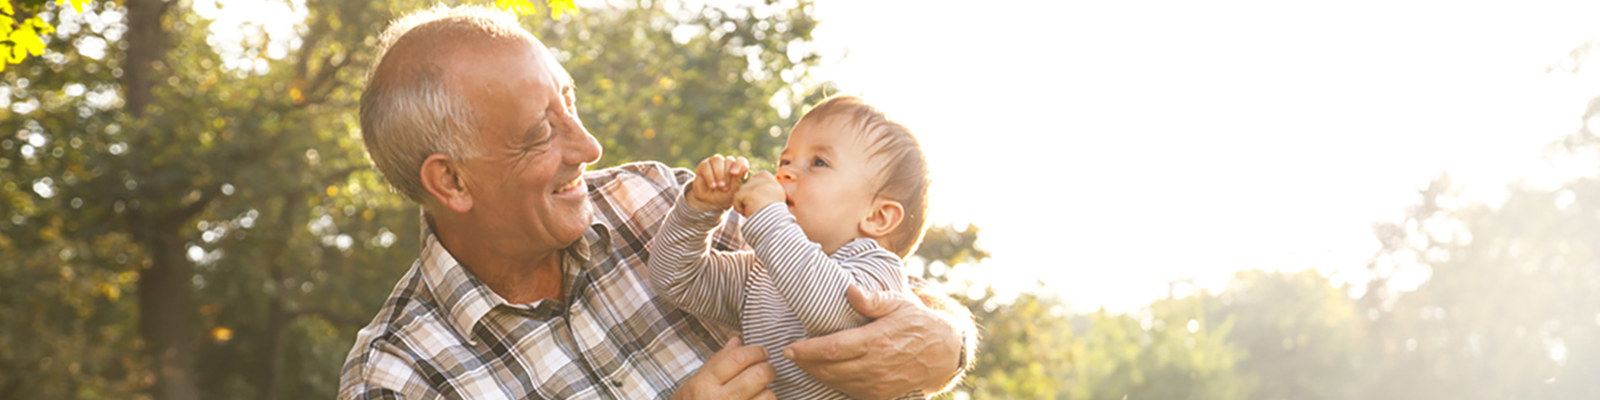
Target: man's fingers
(874,304)
(843,345)
(835,371)
(751,381)
(766,394)
(732,359)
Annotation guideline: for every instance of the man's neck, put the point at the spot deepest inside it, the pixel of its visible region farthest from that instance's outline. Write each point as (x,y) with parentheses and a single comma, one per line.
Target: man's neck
(522,282)
(516,273)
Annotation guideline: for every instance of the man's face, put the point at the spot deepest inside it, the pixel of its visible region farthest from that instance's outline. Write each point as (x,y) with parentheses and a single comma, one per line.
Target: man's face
(827,172)
(528,183)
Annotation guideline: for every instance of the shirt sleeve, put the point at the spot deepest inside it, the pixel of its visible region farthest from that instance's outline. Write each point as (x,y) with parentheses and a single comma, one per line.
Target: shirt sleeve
(379,373)
(813,283)
(726,236)
(707,283)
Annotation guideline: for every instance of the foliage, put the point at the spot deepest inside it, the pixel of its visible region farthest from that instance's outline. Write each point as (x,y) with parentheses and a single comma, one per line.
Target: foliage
(246,183)
(21,27)
(227,223)
(558,8)
(1033,348)
(1302,337)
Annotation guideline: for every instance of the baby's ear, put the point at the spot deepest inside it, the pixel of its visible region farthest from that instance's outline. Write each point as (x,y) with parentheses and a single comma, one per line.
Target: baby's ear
(885,216)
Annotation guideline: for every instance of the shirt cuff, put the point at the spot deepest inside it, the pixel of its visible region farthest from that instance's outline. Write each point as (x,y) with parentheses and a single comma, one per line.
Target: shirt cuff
(699,220)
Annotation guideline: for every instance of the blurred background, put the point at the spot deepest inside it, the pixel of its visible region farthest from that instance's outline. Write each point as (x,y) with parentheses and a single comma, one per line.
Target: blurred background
(1137,200)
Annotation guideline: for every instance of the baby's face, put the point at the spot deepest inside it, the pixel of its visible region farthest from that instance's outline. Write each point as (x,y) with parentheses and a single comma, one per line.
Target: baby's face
(827,171)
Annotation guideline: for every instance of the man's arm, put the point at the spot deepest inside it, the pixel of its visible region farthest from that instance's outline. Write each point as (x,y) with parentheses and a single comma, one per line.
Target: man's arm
(910,345)
(379,372)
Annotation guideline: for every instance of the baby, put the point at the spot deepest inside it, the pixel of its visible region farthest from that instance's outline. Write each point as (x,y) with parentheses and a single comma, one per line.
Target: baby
(849,202)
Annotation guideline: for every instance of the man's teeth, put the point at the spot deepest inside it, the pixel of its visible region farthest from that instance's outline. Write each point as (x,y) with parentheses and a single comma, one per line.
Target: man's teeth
(570,185)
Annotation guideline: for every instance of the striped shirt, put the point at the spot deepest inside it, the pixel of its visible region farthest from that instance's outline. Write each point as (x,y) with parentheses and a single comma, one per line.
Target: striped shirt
(443,334)
(784,290)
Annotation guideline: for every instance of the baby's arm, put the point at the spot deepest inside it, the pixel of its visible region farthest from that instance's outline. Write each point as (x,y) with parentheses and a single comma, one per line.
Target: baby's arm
(813,284)
(704,282)
(707,283)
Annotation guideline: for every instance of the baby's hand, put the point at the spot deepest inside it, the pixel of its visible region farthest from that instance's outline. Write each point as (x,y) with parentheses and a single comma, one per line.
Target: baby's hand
(716,181)
(760,191)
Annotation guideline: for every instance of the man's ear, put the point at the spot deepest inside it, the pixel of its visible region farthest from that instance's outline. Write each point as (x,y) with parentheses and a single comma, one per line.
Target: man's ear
(885,216)
(441,176)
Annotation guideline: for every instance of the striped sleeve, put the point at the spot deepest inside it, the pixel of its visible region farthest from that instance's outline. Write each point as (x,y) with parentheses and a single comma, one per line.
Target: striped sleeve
(813,283)
(707,283)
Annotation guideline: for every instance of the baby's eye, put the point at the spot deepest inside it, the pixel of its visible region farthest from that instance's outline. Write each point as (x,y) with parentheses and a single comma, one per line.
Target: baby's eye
(817,162)
(783,163)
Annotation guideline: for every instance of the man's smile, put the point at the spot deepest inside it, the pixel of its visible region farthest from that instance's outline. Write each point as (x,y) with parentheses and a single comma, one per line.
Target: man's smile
(570,186)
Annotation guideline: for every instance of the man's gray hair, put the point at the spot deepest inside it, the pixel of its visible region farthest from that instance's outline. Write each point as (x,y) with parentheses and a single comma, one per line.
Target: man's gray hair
(407,113)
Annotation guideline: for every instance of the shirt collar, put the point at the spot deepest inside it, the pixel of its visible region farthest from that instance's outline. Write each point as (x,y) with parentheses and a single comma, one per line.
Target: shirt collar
(466,299)
(853,248)
(594,241)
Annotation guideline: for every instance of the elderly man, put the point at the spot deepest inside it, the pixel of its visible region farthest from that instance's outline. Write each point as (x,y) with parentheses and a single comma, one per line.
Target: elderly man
(529,283)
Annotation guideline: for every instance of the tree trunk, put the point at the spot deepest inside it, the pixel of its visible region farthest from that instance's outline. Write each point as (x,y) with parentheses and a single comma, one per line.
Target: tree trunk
(147,44)
(165,304)
(165,298)
(272,349)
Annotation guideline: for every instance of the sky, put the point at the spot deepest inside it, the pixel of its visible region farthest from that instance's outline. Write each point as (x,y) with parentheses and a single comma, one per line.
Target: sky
(1108,148)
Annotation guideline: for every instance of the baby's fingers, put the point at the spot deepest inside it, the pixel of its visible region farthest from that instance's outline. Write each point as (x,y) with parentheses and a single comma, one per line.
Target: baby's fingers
(741,167)
(719,172)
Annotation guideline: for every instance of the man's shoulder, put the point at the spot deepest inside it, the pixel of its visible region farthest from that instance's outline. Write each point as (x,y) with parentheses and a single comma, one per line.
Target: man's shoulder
(378,363)
(637,194)
(652,173)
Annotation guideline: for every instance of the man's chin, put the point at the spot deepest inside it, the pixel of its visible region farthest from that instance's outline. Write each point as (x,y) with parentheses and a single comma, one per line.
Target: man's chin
(573,222)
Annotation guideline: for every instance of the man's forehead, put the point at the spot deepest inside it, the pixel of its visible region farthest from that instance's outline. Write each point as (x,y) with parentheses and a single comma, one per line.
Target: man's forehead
(547,57)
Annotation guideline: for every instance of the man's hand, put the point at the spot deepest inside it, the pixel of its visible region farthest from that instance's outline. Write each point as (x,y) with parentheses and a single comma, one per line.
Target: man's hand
(716,181)
(761,190)
(907,347)
(735,372)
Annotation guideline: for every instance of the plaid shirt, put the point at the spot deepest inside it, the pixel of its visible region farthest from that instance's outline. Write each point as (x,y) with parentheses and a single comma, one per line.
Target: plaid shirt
(443,334)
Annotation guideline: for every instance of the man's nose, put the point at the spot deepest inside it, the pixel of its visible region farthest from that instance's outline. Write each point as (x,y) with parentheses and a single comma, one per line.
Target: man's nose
(584,149)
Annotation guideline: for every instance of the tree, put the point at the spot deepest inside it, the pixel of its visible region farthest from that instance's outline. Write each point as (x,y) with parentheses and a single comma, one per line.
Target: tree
(1302,337)
(187,218)
(1510,300)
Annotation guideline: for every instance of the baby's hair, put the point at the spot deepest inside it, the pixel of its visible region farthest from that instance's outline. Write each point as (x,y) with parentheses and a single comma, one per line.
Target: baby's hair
(904,175)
